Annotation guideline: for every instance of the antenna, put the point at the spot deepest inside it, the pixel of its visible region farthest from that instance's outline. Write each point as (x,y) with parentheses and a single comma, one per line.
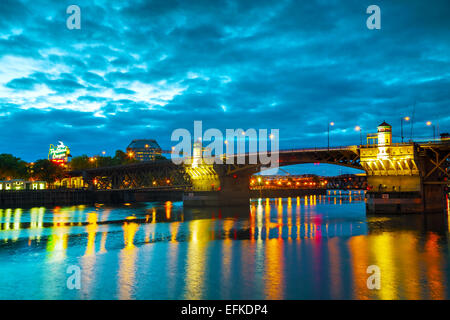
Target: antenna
(412,119)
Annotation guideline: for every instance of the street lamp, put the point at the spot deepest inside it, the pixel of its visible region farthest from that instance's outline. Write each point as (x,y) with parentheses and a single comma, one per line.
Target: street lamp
(434,129)
(401,124)
(260,186)
(358,128)
(329,124)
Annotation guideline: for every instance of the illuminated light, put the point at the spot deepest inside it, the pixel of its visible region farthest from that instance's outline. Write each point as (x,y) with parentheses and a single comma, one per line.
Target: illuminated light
(358,128)
(146,145)
(103,152)
(428,123)
(259,179)
(130,154)
(243,133)
(406,118)
(271,136)
(226,141)
(331,123)
(167,181)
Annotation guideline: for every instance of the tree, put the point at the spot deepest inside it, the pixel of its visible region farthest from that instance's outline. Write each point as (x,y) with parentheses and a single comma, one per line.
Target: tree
(45,170)
(12,167)
(80,162)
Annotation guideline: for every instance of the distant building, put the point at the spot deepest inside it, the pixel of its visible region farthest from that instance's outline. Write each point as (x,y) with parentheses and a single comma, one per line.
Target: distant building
(144,149)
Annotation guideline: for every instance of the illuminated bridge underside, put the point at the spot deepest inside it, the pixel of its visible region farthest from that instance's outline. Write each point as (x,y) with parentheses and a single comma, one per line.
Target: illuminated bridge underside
(396,161)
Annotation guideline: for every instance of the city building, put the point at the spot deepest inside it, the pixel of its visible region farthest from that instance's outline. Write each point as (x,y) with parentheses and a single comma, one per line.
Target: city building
(144,150)
(19,184)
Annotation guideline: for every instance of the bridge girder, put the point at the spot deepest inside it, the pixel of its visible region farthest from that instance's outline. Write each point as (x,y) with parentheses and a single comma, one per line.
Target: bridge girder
(136,176)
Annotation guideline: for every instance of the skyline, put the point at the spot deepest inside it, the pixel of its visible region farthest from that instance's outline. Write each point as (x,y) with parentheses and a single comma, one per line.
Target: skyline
(142,70)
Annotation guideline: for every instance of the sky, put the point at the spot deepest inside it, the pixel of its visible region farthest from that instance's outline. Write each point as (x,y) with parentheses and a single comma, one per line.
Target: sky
(141,69)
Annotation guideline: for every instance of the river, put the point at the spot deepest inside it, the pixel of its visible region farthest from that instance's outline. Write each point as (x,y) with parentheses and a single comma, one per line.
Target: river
(314,247)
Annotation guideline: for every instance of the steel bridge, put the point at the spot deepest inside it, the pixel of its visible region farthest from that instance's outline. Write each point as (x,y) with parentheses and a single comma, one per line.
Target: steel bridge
(165,174)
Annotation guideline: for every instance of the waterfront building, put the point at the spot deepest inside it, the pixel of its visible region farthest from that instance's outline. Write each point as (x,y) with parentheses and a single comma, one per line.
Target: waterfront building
(19,184)
(144,149)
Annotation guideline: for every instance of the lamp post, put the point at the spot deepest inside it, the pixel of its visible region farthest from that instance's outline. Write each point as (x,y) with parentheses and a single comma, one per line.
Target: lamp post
(434,129)
(329,124)
(401,124)
(358,128)
(260,186)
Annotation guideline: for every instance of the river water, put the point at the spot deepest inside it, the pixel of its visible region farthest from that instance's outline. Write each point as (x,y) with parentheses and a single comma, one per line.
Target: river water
(315,247)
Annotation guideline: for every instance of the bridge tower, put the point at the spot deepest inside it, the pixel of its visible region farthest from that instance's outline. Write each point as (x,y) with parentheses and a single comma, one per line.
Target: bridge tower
(216,184)
(404,177)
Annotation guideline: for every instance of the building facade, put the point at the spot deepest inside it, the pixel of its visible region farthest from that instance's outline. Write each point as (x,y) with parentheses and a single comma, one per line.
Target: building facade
(144,149)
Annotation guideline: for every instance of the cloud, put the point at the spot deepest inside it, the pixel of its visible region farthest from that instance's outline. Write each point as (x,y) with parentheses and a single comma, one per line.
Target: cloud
(140,69)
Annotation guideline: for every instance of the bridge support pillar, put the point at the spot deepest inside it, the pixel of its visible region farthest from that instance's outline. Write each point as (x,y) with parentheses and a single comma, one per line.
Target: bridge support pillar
(234,190)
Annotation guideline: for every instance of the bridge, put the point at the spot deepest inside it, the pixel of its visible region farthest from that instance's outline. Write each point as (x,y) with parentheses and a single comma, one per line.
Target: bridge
(401,177)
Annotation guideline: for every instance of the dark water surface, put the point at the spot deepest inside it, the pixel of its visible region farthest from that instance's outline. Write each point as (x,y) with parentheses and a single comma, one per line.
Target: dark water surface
(315,247)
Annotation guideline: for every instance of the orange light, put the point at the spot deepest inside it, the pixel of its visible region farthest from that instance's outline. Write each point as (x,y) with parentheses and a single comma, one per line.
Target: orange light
(167,181)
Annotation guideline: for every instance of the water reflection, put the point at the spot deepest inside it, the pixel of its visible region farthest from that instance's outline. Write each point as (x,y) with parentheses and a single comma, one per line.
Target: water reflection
(293,248)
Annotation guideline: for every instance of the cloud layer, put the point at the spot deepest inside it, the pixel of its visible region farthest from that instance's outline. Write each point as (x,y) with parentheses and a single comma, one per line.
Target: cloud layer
(140,69)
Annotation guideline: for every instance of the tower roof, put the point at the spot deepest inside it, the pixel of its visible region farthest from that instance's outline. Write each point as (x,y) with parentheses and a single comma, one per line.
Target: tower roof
(384,124)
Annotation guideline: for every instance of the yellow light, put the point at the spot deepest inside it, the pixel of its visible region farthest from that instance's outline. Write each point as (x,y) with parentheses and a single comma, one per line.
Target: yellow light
(357,128)
(271,136)
(226,141)
(331,123)
(259,179)
(428,123)
(407,118)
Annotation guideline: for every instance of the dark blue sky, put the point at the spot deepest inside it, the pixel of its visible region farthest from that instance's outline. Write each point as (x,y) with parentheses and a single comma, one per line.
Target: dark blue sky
(140,69)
